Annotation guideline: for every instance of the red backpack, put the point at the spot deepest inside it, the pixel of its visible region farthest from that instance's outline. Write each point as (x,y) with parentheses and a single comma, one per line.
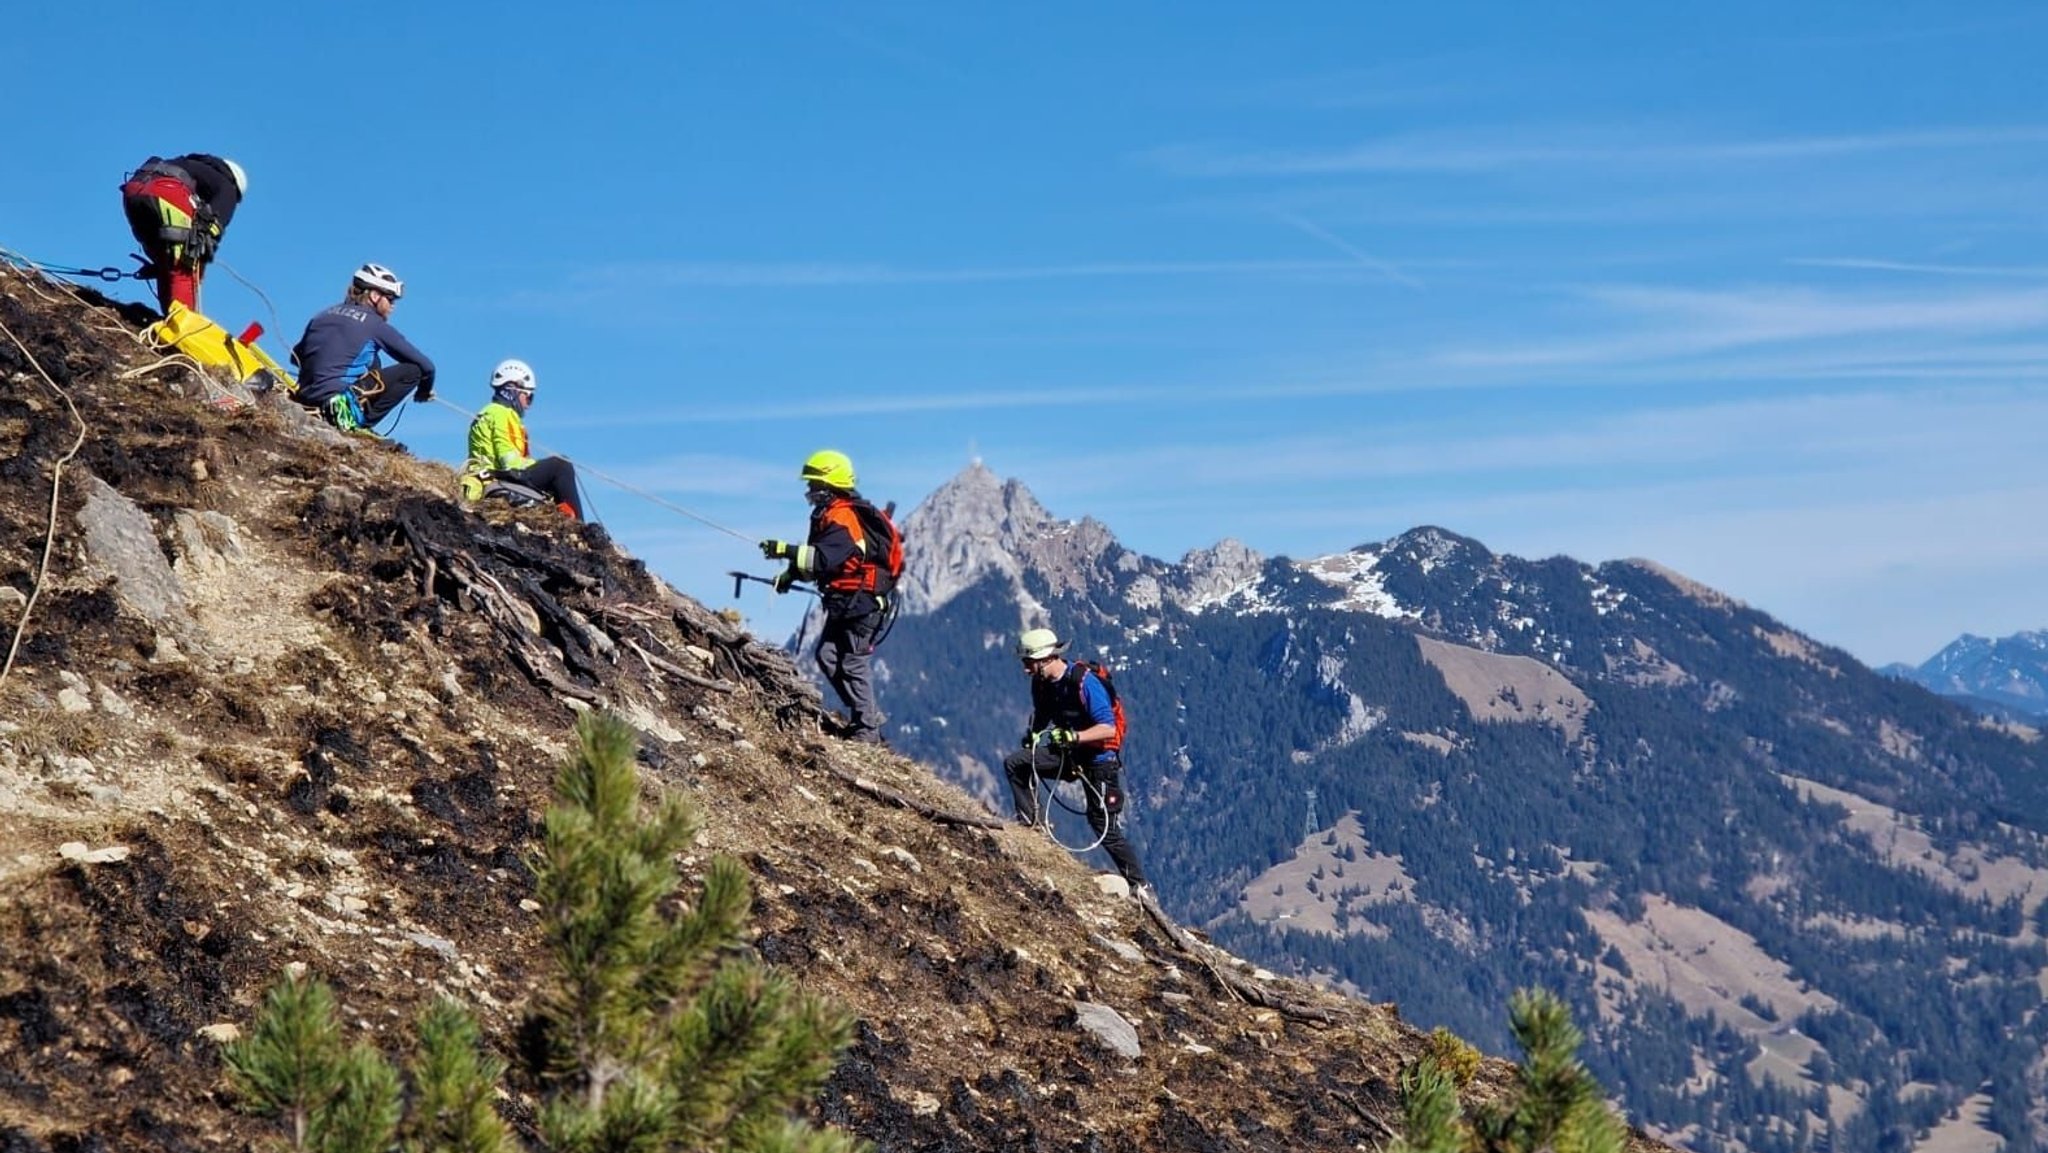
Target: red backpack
(1116,703)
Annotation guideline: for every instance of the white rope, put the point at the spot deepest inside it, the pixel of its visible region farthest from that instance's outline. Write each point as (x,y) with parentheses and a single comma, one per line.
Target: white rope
(56,492)
(617,483)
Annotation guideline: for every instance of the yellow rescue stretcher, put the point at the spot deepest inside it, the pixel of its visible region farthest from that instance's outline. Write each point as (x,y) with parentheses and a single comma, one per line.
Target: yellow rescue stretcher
(208,343)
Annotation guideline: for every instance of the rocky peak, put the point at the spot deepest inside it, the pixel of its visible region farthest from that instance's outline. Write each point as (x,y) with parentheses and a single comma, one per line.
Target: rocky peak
(971,525)
(1209,575)
(978,523)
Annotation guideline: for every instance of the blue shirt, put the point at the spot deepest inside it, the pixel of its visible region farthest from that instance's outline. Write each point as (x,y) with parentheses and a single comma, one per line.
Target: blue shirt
(1076,701)
(342,343)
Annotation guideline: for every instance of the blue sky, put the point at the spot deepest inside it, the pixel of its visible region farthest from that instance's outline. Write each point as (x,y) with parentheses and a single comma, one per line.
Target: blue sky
(1757,291)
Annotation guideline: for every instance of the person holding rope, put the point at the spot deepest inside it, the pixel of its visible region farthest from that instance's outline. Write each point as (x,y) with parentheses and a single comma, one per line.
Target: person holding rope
(1076,733)
(854,554)
(497,445)
(178,210)
(342,374)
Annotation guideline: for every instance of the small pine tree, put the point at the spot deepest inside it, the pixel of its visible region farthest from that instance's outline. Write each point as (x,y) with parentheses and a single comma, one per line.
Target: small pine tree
(293,1066)
(363,1115)
(656,1031)
(454,1079)
(1557,1107)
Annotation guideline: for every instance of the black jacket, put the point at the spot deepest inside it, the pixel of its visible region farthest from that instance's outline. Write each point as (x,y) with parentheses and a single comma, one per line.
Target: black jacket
(212,183)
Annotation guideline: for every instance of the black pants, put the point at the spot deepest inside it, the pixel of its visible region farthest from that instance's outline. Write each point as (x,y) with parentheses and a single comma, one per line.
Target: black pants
(553,476)
(385,389)
(1105,799)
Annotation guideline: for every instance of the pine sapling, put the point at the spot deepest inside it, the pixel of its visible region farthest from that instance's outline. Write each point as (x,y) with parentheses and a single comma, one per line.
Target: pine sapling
(1556,1107)
(454,1082)
(656,1031)
(293,1066)
(289,1066)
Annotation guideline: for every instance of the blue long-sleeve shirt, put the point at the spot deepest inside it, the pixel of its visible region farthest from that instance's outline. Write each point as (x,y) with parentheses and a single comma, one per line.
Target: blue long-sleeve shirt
(1076,701)
(343,343)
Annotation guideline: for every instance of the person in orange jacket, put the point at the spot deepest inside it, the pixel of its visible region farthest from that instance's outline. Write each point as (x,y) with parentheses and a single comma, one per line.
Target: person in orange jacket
(853,554)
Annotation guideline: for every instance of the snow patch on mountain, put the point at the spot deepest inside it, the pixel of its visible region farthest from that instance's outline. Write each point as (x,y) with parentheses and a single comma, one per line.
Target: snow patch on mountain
(1365,587)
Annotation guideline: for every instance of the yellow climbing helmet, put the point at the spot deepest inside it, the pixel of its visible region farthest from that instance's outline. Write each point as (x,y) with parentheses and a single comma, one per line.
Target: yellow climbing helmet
(830,468)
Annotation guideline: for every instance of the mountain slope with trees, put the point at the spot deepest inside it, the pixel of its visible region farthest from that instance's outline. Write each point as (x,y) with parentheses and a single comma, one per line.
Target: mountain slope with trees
(1798,903)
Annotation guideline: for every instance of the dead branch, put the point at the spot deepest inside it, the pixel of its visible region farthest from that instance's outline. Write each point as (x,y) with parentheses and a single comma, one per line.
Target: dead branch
(677,671)
(902,801)
(1243,987)
(1345,1100)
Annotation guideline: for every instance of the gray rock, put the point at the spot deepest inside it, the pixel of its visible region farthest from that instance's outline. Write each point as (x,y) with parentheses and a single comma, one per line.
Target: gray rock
(208,542)
(1121,948)
(73,701)
(120,542)
(441,945)
(338,501)
(1109,1027)
(112,703)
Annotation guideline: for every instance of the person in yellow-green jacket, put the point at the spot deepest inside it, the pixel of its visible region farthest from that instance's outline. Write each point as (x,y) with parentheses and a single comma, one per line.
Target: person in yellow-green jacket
(497,445)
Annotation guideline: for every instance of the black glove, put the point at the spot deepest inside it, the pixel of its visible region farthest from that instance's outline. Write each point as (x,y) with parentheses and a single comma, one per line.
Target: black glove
(204,242)
(784,579)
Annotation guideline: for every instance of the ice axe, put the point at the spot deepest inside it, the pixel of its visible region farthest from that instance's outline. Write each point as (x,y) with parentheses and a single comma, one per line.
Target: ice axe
(739,579)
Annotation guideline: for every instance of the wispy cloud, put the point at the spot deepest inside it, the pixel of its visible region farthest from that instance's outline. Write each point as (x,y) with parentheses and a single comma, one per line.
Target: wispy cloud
(1690,322)
(696,274)
(1927,433)
(1860,264)
(1364,259)
(1532,148)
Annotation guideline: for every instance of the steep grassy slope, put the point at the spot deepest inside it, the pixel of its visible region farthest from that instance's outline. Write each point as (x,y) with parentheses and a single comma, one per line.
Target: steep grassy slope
(281,699)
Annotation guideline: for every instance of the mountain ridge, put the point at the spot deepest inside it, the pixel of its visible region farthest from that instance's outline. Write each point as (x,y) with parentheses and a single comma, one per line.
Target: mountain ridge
(2006,677)
(1555,770)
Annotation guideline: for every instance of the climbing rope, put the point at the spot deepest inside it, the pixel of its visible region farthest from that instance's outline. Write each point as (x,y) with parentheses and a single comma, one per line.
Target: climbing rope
(111,274)
(269,307)
(56,493)
(1052,792)
(615,482)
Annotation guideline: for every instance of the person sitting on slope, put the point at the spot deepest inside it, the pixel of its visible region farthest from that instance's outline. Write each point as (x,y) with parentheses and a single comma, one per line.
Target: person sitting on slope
(497,445)
(342,374)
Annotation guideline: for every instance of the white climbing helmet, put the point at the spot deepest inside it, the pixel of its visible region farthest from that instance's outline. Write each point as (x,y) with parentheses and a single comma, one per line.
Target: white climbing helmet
(513,374)
(241,177)
(380,278)
(1038,644)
